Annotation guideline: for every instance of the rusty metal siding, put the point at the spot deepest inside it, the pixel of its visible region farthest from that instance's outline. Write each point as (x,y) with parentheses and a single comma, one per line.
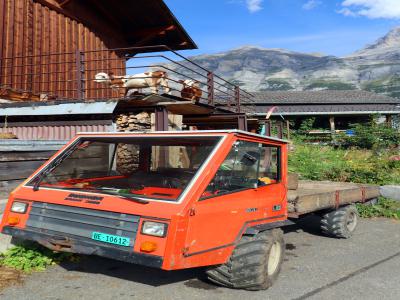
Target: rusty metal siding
(53,132)
(29,29)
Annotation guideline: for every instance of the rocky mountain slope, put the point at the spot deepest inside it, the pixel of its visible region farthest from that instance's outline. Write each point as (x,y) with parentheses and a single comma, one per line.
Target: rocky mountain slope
(375,68)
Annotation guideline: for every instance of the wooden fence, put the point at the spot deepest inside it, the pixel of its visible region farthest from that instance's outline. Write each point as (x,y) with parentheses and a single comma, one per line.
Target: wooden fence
(19,159)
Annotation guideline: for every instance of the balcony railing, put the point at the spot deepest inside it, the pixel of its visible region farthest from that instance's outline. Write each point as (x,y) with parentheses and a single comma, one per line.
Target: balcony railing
(71,75)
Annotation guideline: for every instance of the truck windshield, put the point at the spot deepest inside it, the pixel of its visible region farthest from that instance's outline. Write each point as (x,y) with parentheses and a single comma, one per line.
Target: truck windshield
(144,167)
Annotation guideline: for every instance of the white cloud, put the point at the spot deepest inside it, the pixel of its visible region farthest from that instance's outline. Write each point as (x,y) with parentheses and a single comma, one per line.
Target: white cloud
(254,5)
(373,9)
(311,4)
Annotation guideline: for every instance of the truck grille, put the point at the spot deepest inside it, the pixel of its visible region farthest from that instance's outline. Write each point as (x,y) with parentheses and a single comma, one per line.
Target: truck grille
(81,222)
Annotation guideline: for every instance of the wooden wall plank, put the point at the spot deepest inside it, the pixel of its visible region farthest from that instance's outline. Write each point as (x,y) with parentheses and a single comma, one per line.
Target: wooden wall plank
(45,50)
(19,44)
(2,22)
(28,28)
(29,37)
(37,45)
(53,49)
(10,42)
(18,170)
(25,156)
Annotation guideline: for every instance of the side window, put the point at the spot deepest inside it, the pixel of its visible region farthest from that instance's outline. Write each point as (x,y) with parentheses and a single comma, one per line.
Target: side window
(248,165)
(269,165)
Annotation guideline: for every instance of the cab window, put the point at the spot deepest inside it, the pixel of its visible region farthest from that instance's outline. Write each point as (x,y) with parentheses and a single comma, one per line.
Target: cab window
(248,165)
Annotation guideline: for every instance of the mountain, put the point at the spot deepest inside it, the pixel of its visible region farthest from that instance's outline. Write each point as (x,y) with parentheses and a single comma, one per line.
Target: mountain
(375,68)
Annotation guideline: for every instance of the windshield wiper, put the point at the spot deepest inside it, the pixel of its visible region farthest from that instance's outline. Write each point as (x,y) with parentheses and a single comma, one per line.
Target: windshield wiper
(116,192)
(38,181)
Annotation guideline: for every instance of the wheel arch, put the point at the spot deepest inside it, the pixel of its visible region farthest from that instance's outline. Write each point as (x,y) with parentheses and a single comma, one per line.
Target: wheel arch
(253,230)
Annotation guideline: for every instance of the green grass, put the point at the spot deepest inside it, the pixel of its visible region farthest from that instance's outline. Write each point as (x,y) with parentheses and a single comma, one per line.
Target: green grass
(317,162)
(384,208)
(32,257)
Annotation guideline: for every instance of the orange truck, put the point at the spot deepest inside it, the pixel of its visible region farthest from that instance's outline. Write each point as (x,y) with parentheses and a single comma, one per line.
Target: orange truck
(169,200)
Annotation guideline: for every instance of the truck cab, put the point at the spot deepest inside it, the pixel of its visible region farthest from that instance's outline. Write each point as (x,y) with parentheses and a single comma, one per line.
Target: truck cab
(169,200)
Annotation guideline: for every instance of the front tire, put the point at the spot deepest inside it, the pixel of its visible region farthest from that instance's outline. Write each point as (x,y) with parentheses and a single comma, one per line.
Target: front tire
(340,223)
(254,264)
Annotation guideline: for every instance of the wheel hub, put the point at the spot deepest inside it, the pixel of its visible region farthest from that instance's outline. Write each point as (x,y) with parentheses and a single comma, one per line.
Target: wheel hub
(352,221)
(274,258)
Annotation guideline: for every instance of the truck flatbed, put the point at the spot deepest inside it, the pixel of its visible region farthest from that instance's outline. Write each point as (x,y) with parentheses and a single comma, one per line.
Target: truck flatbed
(312,196)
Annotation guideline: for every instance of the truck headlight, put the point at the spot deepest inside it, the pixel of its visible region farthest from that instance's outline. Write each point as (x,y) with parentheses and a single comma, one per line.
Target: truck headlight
(154,228)
(19,207)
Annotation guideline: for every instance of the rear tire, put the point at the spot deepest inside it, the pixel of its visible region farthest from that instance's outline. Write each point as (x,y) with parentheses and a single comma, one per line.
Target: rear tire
(340,223)
(254,264)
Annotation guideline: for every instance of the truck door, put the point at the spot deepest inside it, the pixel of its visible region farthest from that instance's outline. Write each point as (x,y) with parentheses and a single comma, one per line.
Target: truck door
(245,189)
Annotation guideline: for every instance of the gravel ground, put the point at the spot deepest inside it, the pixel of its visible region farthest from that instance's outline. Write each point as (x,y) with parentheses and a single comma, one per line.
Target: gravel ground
(316,267)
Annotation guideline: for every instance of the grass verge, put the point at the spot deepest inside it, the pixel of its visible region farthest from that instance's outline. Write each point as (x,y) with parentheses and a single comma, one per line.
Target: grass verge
(384,208)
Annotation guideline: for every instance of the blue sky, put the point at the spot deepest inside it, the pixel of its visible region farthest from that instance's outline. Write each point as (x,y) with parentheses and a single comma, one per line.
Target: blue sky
(334,27)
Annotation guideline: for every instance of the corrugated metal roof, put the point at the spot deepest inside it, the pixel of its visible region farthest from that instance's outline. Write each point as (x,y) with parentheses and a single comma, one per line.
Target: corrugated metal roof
(53,132)
(42,109)
(326,109)
(321,97)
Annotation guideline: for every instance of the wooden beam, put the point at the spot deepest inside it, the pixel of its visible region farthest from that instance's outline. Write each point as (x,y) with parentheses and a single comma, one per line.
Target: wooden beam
(155,31)
(288,129)
(110,20)
(332,124)
(152,33)
(332,127)
(389,120)
(63,2)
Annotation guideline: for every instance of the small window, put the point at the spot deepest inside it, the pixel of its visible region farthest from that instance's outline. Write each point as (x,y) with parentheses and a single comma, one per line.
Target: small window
(269,162)
(248,165)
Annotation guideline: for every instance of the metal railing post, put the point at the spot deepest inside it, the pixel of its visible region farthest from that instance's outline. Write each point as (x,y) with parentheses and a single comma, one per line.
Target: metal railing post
(80,74)
(237,98)
(210,87)
(161,118)
(242,122)
(280,129)
(268,128)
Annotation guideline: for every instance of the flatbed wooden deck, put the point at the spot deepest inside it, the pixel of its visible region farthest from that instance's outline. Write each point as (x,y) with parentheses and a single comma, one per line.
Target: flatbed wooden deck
(312,196)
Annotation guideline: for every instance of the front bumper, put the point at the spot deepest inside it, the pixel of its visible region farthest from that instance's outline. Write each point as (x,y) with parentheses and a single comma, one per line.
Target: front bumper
(68,243)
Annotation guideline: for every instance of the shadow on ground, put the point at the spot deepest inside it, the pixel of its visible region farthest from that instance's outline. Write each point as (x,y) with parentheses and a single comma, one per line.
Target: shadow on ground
(132,272)
(193,278)
(309,224)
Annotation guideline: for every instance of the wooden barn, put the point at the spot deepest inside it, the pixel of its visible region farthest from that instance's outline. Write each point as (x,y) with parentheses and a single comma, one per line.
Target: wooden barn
(46,45)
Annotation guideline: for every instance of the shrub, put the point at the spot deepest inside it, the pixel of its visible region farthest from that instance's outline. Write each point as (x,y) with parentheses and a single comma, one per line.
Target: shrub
(316,162)
(31,257)
(371,136)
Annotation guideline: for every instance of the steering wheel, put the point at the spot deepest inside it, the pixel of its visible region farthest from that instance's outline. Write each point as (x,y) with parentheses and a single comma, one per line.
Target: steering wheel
(172,183)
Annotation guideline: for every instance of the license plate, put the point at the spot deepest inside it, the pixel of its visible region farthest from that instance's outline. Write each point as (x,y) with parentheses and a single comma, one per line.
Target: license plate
(111,239)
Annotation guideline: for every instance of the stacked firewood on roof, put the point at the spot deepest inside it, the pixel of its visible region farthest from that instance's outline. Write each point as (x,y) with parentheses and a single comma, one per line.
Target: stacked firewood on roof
(128,155)
(11,94)
(133,122)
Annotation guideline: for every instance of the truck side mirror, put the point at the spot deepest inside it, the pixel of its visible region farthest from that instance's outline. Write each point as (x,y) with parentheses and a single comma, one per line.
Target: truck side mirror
(250,158)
